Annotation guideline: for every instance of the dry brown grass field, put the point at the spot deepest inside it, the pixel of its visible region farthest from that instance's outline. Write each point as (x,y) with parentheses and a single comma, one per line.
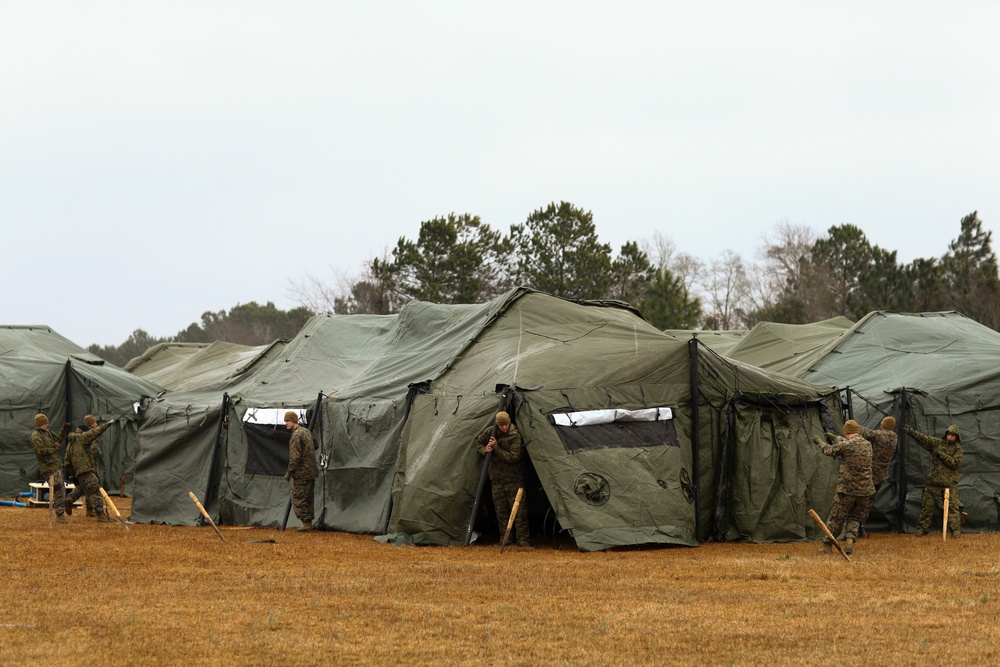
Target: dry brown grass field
(95,594)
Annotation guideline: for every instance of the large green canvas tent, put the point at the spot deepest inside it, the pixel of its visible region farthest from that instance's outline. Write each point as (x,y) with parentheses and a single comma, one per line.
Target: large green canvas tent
(727,456)
(928,370)
(394,402)
(41,371)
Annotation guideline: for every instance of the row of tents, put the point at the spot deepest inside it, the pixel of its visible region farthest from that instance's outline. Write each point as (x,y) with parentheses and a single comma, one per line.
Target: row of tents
(635,436)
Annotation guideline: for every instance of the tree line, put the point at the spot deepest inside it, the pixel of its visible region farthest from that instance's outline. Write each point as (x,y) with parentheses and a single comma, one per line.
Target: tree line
(795,277)
(247,324)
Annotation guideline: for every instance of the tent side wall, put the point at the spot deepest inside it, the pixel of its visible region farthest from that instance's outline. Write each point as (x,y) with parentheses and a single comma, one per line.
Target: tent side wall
(41,388)
(177,443)
(760,472)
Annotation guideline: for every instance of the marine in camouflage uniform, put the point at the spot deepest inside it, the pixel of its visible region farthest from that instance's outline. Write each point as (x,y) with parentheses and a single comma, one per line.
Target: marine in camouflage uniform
(883,441)
(854,483)
(46,445)
(81,459)
(506,473)
(946,458)
(302,469)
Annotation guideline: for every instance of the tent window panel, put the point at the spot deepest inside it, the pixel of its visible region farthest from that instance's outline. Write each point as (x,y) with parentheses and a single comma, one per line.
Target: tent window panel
(618,435)
(267,449)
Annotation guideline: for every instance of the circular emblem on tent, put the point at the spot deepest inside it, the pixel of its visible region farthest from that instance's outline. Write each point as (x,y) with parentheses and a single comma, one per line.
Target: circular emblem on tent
(592,488)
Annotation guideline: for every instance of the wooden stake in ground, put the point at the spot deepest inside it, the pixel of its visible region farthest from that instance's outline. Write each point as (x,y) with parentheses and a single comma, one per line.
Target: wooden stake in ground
(944,519)
(826,530)
(194,499)
(52,482)
(510,521)
(107,501)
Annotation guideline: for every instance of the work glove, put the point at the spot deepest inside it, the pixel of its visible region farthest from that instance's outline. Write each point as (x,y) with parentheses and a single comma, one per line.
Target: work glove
(112,421)
(818,440)
(831,437)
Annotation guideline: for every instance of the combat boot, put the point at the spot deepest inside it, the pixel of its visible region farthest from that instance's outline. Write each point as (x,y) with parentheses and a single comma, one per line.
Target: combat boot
(62,519)
(104,518)
(304,527)
(68,506)
(848,547)
(956,534)
(920,532)
(827,548)
(91,512)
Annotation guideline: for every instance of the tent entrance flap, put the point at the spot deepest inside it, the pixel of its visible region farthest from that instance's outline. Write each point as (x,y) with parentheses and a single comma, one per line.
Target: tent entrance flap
(615,429)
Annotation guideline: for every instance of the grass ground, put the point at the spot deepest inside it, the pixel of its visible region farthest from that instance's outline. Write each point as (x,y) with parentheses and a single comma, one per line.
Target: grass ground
(95,594)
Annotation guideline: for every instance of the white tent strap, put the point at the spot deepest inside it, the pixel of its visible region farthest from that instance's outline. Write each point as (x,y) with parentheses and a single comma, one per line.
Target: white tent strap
(271,415)
(593,417)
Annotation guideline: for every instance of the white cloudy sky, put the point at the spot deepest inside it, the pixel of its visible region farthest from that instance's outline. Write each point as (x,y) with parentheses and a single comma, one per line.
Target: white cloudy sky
(161,159)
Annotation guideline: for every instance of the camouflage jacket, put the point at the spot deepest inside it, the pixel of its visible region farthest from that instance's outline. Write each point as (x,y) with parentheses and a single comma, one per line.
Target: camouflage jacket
(883,447)
(81,453)
(46,445)
(302,455)
(946,457)
(855,475)
(507,463)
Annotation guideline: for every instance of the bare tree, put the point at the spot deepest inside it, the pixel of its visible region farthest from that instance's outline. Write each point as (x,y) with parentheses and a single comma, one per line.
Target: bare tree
(688,269)
(727,290)
(348,294)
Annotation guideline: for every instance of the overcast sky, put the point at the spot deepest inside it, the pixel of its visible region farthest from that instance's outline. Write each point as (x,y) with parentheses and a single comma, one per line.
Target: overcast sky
(158,160)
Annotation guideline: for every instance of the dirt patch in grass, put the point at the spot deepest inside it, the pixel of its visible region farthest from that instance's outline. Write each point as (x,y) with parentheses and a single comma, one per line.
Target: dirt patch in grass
(88,593)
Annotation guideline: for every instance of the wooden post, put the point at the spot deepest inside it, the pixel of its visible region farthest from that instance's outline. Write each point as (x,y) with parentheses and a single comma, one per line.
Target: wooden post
(114,510)
(194,499)
(51,490)
(944,519)
(826,530)
(513,515)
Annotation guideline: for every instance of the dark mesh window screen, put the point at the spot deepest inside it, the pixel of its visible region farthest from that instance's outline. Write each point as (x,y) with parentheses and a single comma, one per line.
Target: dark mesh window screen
(267,449)
(618,435)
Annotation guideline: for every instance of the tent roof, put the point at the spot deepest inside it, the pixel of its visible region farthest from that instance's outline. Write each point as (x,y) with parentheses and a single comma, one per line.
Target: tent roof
(940,353)
(200,366)
(719,341)
(790,349)
(26,349)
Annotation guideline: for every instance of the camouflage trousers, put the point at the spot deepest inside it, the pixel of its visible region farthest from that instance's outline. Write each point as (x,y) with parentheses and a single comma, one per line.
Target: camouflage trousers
(932,500)
(88,485)
(58,492)
(869,501)
(504,494)
(846,515)
(302,499)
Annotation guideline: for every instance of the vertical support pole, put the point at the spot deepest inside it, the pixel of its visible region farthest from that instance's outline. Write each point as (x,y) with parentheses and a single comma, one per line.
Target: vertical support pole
(695,435)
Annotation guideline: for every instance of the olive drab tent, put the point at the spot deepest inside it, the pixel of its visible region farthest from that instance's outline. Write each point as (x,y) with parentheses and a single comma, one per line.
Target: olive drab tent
(41,371)
(181,427)
(928,371)
(636,437)
(621,451)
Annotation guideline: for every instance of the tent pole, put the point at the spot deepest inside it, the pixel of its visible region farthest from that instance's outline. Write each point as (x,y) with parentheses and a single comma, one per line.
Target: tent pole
(484,475)
(314,427)
(904,404)
(695,435)
(69,395)
(209,495)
